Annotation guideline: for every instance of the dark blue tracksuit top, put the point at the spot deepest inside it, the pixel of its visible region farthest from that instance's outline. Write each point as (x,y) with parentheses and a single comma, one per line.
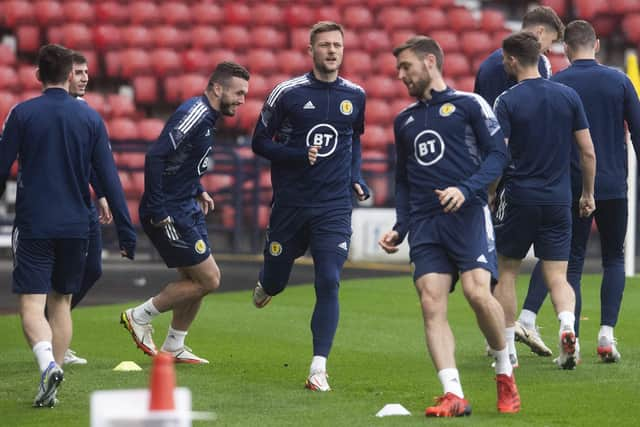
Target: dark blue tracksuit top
(57,141)
(609,100)
(302,112)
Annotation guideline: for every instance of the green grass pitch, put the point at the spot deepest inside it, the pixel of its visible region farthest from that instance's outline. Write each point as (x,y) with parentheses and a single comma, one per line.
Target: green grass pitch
(260,360)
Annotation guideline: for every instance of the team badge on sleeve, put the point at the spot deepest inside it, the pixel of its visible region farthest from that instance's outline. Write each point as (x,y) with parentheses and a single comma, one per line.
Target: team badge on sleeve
(200,247)
(346,107)
(275,248)
(447,109)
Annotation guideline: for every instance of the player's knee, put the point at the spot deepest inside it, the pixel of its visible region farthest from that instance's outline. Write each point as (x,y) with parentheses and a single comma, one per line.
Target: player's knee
(210,280)
(327,285)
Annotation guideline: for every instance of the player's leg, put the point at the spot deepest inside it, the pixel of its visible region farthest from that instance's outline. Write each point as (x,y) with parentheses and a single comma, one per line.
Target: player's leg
(287,239)
(580,230)
(526,330)
(553,246)
(611,217)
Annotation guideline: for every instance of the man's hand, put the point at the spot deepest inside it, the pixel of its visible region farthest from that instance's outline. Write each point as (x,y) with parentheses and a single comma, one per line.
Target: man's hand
(104,213)
(389,242)
(359,192)
(451,198)
(206,202)
(312,155)
(587,205)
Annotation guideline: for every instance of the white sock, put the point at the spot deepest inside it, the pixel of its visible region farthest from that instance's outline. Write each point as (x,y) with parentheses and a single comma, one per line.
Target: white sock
(606,331)
(510,336)
(528,318)
(450,380)
(567,320)
(318,364)
(174,340)
(503,363)
(145,312)
(43,351)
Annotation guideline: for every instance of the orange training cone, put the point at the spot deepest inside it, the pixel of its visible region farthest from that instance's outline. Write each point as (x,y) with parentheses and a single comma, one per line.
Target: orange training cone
(163,381)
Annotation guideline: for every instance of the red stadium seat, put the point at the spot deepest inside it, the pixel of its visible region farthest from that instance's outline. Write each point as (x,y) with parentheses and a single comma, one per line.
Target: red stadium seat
(165,61)
(498,38)
(392,18)
(400,36)
(204,37)
(428,19)
(261,61)
(207,14)
(631,27)
(48,12)
(268,14)
(344,3)
(560,6)
(237,13)
(27,78)
(448,40)
(196,60)
(97,102)
(192,85)
(79,11)
(456,65)
(17,12)
(400,104)
(476,43)
(77,36)
(133,159)
(136,36)
(150,129)
(299,16)
(235,37)
(144,12)
(558,62)
(134,62)
(268,38)
(461,19)
(113,63)
(385,63)
(29,94)
(375,41)
(381,87)
(111,12)
(379,184)
(465,84)
(122,128)
(357,62)
(605,25)
(107,37)
(374,138)
(299,38)
(175,13)
(7,55)
(248,115)
(622,7)
(293,62)
(351,40)
(136,184)
(133,206)
(121,105)
(377,113)
(443,4)
(28,38)
(492,20)
(358,17)
(328,13)
(258,87)
(169,36)
(214,183)
(145,89)
(171,86)
(7,101)
(8,77)
(220,55)
(589,9)
(379,4)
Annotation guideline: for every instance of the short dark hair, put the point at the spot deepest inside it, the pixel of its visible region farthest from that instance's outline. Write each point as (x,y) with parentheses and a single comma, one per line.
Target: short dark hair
(78,58)
(225,71)
(324,27)
(422,46)
(543,15)
(525,46)
(580,34)
(54,64)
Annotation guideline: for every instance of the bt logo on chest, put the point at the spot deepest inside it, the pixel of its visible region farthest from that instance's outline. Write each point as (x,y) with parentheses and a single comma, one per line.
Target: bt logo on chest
(428,147)
(324,137)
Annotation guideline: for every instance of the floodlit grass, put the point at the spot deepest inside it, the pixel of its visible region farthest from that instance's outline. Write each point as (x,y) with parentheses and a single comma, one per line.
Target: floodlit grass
(260,360)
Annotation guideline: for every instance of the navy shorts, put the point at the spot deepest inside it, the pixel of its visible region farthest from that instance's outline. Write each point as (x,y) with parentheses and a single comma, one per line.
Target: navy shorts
(292,230)
(183,243)
(40,265)
(453,242)
(547,227)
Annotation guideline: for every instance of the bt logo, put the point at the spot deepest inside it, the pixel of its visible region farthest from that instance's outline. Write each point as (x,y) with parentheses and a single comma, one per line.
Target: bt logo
(323,136)
(428,147)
